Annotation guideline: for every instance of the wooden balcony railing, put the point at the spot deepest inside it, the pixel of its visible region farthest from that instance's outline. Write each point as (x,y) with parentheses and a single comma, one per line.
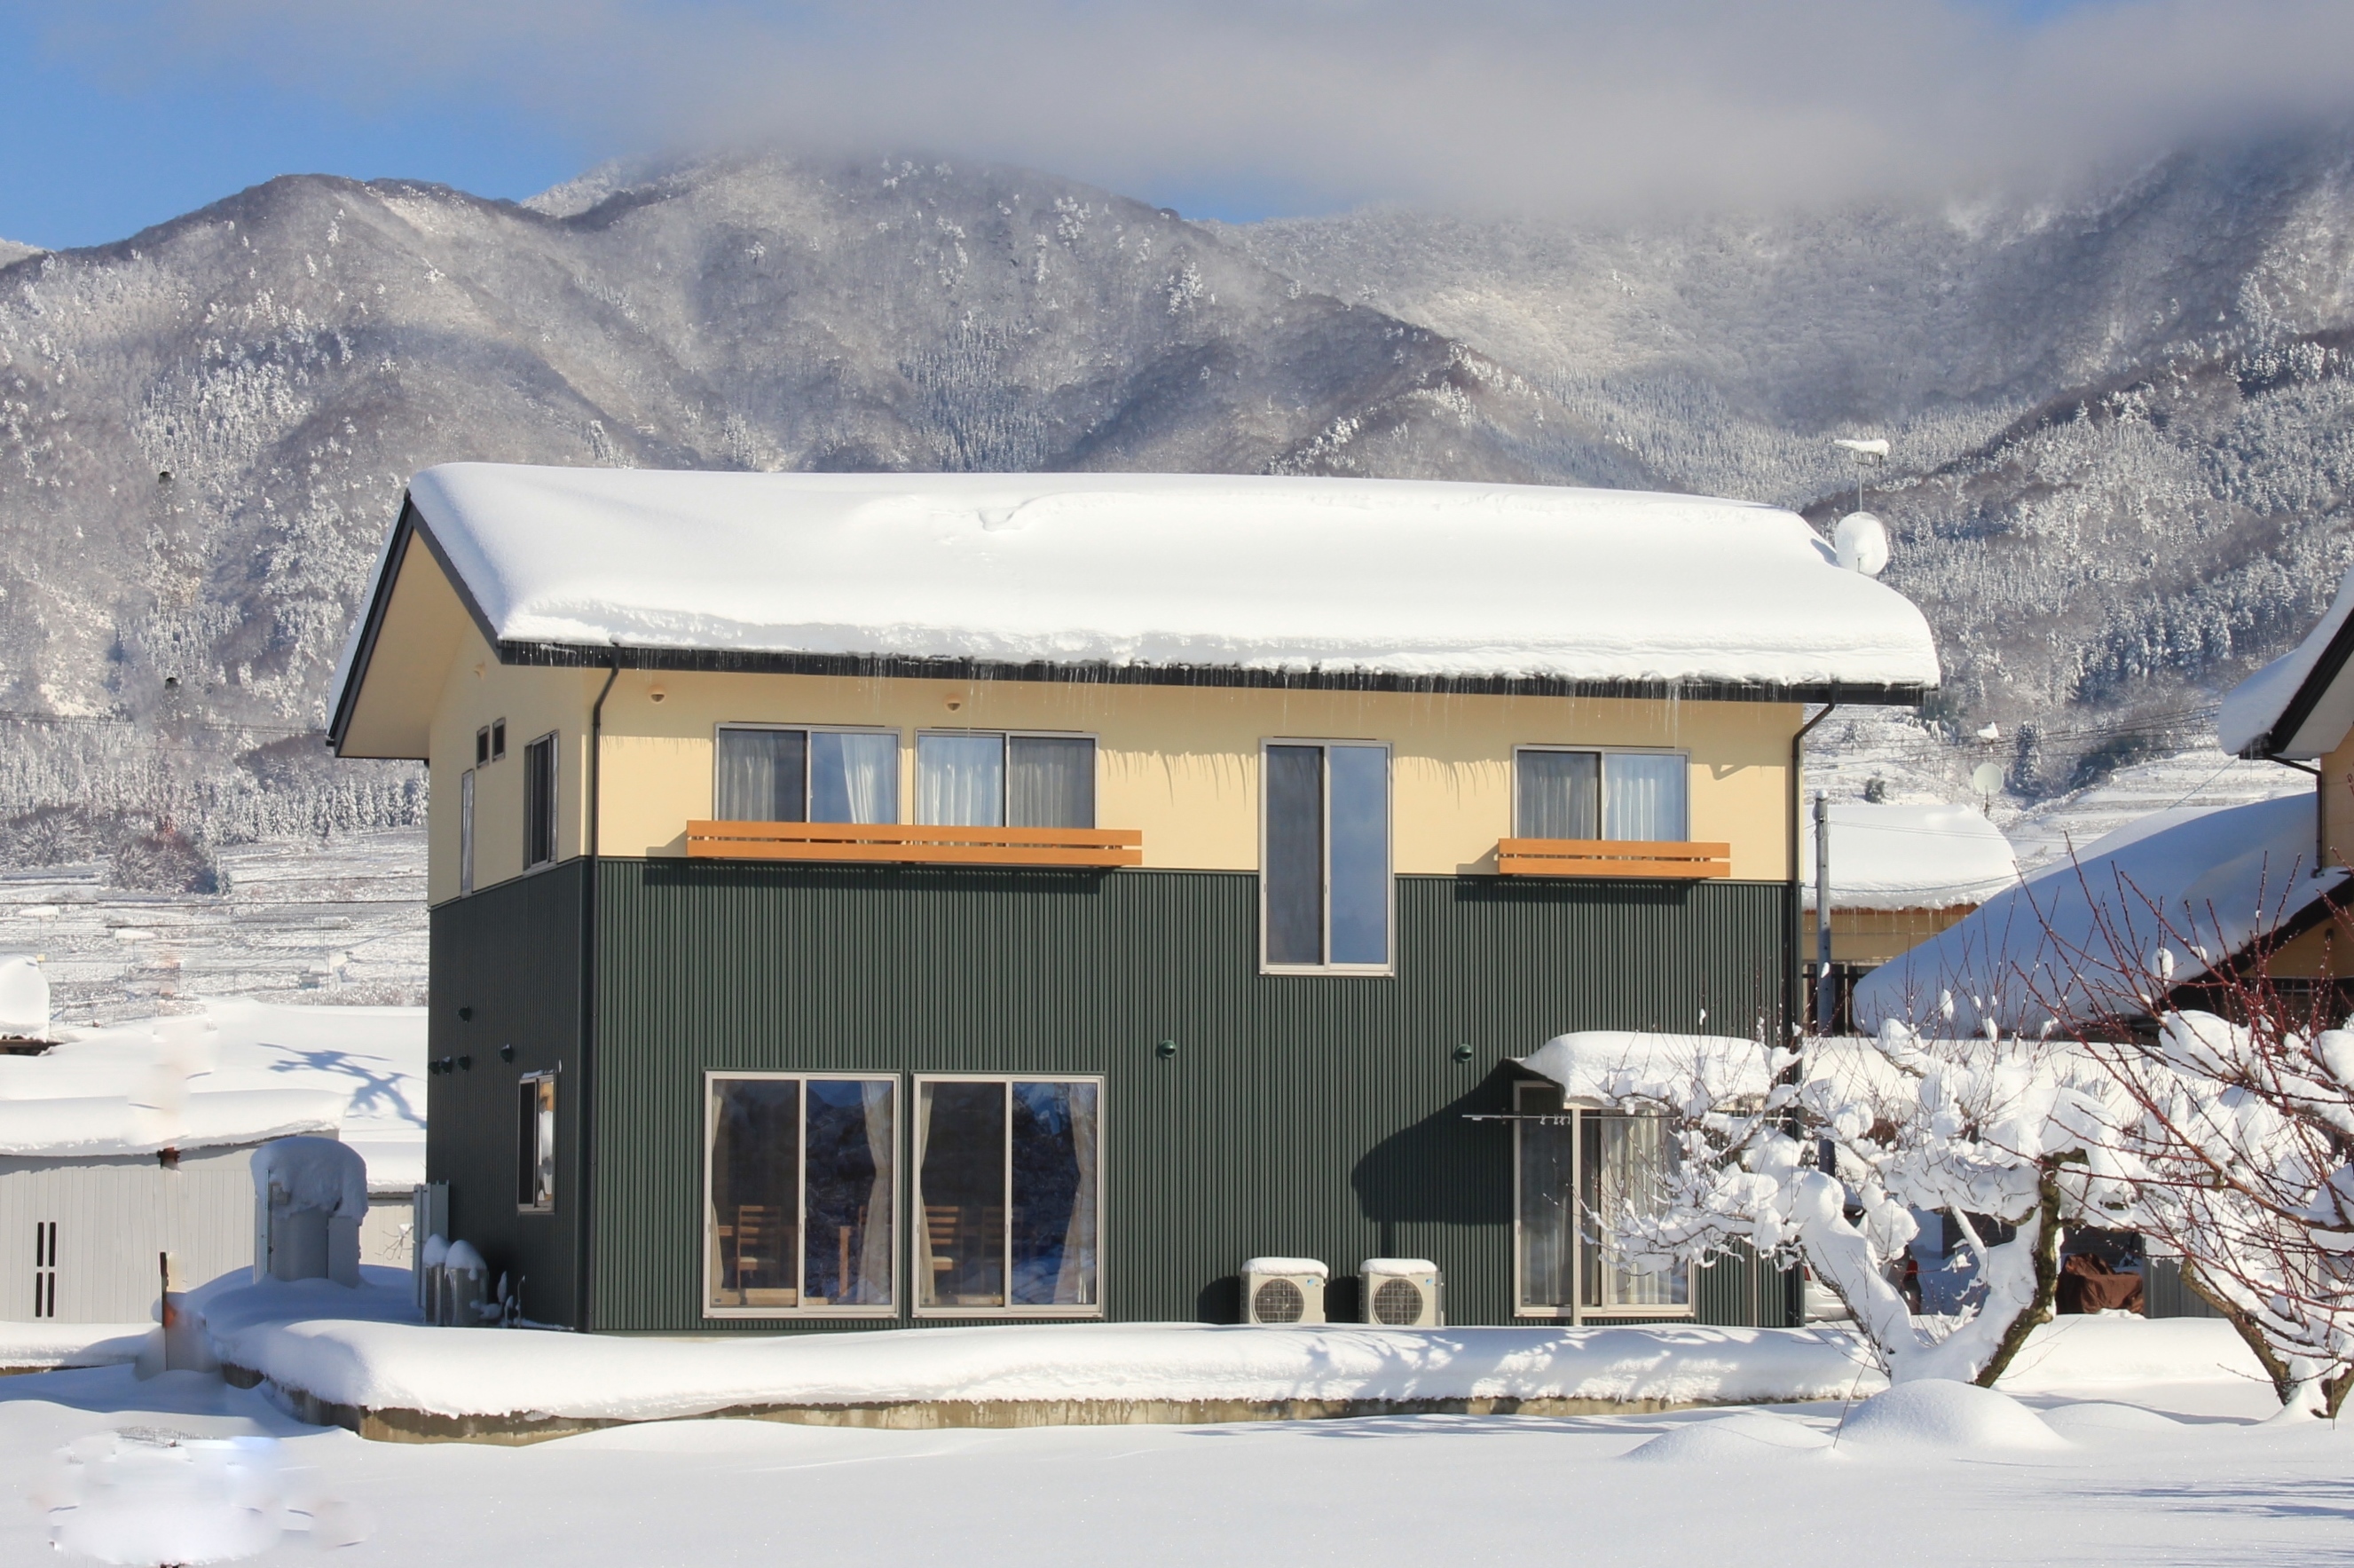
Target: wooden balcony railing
(1611,857)
(893,843)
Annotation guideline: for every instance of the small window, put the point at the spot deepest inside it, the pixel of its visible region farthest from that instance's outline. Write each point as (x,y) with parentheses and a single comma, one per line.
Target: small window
(1008,1196)
(801,1187)
(498,739)
(466,832)
(45,1268)
(1325,879)
(1575,1171)
(1624,795)
(539,802)
(482,745)
(770,774)
(536,1142)
(979,778)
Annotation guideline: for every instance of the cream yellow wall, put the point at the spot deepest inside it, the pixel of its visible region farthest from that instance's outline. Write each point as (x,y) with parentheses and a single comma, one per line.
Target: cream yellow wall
(1181,762)
(476,690)
(2337,785)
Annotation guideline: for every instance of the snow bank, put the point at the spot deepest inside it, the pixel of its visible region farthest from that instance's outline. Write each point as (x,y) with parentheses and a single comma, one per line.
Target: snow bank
(2200,885)
(23,999)
(2074,1355)
(1909,857)
(1605,1067)
(1743,1436)
(49,1344)
(1937,1416)
(364,1348)
(2252,708)
(1411,578)
(103,1125)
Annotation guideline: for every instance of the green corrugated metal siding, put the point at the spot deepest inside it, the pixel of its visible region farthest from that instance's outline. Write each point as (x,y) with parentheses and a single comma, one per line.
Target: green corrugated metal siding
(511,954)
(1300,1114)
(2163,1295)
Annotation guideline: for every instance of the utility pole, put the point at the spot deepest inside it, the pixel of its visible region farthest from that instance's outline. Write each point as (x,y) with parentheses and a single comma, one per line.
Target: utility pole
(1826,989)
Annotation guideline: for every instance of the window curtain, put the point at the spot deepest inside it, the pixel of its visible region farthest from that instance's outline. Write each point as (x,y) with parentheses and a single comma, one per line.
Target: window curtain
(1074,1285)
(1050,781)
(760,774)
(960,780)
(926,1281)
(1359,876)
(1643,797)
(1560,795)
(1626,1159)
(854,778)
(874,1245)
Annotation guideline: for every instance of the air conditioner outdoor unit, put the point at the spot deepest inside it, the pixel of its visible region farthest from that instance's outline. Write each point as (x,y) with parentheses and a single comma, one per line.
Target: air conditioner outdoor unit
(1284,1290)
(1403,1293)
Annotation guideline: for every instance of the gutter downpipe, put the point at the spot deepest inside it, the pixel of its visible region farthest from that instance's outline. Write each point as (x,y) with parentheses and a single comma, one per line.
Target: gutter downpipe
(1794,985)
(585,1095)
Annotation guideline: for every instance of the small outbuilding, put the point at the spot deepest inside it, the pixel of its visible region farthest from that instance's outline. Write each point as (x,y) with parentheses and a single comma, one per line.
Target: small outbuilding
(1899,876)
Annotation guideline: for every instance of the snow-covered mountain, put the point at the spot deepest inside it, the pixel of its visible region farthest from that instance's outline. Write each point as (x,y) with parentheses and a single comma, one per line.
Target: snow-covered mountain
(11,251)
(2120,424)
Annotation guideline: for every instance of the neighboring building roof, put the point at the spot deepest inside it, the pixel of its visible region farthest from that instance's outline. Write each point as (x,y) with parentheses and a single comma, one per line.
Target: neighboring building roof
(239,1071)
(1298,580)
(1909,857)
(2301,704)
(100,1125)
(2079,937)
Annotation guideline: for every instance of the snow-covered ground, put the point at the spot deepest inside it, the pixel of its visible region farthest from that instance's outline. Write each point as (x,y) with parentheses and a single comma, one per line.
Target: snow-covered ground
(341,920)
(2170,1466)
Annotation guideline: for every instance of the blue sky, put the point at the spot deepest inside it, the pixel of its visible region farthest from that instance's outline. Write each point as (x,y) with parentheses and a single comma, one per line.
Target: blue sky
(122,113)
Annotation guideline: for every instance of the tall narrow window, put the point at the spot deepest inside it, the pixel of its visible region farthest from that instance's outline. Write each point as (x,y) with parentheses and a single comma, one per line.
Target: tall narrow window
(536,1142)
(45,1268)
(1009,1197)
(801,1189)
(984,779)
(498,740)
(539,802)
(1547,1203)
(1624,795)
(1623,1163)
(466,832)
(1326,879)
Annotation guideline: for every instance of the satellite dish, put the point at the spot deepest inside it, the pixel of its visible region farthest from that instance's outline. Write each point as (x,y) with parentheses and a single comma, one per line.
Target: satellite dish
(1862,541)
(1987,779)
(23,999)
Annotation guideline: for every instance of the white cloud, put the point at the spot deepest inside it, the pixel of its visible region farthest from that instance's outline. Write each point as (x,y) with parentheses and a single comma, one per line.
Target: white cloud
(1513,102)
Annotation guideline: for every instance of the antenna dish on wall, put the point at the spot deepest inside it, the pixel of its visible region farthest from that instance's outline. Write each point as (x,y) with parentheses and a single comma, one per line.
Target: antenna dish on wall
(1862,541)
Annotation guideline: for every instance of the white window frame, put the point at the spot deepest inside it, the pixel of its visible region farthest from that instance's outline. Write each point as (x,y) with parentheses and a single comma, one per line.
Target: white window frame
(1574,1311)
(899,746)
(1387,969)
(900,1184)
(556,1112)
(918,1230)
(466,832)
(1005,772)
(1603,784)
(555,802)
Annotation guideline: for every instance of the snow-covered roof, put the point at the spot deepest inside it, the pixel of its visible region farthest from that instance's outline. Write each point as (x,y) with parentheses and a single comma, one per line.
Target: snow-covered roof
(1412,579)
(2082,937)
(2298,705)
(1909,857)
(236,1072)
(1608,1066)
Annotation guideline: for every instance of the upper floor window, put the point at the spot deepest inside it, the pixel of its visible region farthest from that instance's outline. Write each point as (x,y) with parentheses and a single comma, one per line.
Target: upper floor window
(1325,864)
(539,802)
(1636,795)
(983,778)
(775,774)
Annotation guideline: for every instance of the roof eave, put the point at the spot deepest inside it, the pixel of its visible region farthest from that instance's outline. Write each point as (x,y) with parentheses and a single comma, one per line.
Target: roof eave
(905,666)
(2275,742)
(410,527)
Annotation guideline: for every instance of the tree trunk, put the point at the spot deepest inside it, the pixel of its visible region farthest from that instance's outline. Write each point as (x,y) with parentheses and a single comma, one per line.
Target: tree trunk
(2047,1278)
(2283,1381)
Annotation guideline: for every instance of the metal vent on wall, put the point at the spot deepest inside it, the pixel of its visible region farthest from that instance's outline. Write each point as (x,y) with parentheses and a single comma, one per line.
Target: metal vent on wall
(1397,1303)
(1278,1301)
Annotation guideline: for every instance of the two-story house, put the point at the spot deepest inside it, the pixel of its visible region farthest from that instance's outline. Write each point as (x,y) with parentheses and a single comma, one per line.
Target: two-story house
(883,899)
